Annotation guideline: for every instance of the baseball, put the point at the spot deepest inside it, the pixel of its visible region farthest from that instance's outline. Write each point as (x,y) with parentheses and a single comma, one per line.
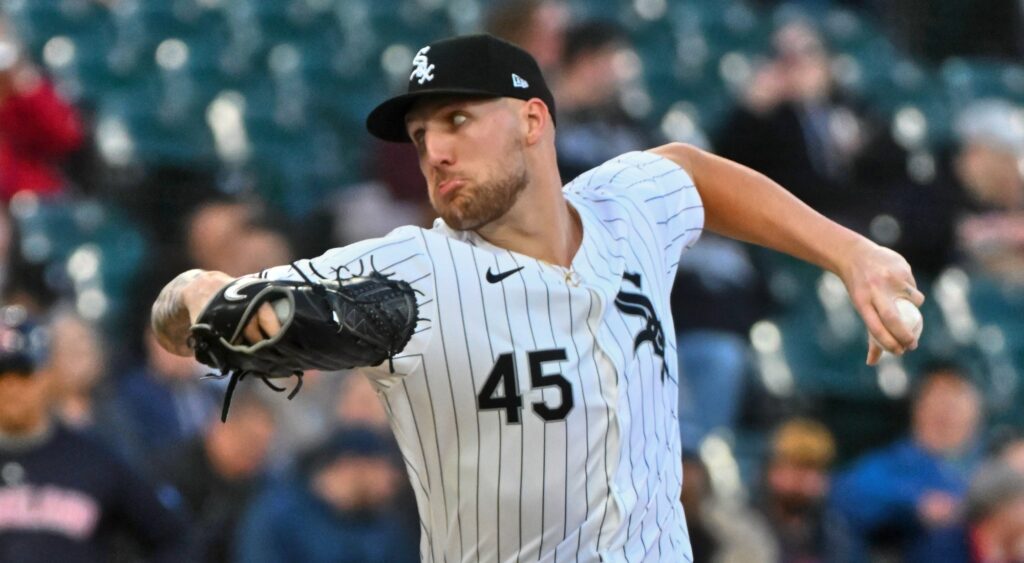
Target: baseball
(910,316)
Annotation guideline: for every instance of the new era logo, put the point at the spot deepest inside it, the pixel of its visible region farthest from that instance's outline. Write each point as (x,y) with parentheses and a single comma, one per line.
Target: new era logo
(518,82)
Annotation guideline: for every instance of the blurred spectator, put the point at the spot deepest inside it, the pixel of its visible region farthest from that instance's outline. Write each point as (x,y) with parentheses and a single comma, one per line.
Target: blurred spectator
(373,209)
(1009,450)
(24,282)
(937,30)
(797,128)
(37,128)
(796,484)
(995,514)
(592,126)
(63,496)
(258,248)
(719,293)
(910,494)
(230,236)
(339,510)
(695,493)
(217,473)
(83,398)
(359,405)
(722,530)
(538,26)
(165,399)
(986,168)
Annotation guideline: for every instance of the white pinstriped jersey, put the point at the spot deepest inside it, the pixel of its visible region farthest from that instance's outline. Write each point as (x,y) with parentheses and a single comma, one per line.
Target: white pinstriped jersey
(534,406)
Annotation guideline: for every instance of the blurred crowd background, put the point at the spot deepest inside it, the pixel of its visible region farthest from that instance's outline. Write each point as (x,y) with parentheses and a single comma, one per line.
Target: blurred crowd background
(139,138)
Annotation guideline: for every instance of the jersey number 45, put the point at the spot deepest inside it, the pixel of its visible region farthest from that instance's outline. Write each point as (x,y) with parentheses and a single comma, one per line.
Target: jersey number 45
(503,375)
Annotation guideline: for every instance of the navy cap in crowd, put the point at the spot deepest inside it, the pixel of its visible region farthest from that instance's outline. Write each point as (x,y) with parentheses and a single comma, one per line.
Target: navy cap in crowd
(468,65)
(24,344)
(349,442)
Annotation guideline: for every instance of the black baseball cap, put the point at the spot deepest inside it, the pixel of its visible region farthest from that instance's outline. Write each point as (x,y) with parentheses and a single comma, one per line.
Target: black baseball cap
(470,65)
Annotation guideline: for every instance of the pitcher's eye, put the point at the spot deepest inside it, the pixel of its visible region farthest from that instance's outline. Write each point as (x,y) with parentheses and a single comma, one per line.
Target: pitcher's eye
(459,118)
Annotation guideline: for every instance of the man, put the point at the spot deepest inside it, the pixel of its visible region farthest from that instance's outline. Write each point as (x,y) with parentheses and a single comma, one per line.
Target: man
(911,493)
(340,508)
(535,403)
(796,482)
(38,128)
(218,473)
(64,497)
(592,126)
(995,514)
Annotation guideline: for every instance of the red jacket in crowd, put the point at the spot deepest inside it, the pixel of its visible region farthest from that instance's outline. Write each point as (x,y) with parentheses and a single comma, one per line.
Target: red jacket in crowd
(37,130)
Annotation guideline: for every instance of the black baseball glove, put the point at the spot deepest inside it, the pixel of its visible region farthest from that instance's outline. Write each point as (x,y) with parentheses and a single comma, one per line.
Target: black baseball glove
(327,325)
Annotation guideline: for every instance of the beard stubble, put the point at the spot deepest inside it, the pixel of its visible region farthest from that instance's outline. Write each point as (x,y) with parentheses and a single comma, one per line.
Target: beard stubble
(489,201)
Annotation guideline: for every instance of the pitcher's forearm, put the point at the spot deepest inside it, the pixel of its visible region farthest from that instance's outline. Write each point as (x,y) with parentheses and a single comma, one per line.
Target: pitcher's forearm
(744,204)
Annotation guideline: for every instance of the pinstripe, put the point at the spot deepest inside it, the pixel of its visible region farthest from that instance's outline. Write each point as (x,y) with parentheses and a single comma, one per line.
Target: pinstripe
(408,463)
(393,264)
(673,192)
(433,418)
(377,249)
(490,345)
(586,426)
(678,213)
(681,235)
(608,410)
(522,457)
(508,320)
(626,442)
(643,419)
(632,225)
(544,449)
(423,453)
(451,393)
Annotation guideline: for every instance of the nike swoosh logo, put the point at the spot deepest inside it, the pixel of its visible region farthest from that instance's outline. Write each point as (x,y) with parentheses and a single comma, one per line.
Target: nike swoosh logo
(233,292)
(495,278)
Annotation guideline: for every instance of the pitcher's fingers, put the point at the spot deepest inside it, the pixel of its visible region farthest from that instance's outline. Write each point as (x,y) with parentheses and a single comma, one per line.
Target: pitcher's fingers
(269,323)
(251,332)
(913,295)
(878,330)
(874,352)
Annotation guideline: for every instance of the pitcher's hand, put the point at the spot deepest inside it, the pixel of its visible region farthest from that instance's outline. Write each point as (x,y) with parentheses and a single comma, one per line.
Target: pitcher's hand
(875,276)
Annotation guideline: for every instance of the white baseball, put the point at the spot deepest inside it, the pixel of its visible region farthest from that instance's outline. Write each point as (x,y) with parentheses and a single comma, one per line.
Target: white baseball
(910,316)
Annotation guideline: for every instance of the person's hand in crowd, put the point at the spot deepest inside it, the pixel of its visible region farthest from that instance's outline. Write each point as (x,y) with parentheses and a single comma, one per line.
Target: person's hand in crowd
(937,509)
(875,276)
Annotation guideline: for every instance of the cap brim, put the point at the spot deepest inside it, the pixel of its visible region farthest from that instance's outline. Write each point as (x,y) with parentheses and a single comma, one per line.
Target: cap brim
(387,121)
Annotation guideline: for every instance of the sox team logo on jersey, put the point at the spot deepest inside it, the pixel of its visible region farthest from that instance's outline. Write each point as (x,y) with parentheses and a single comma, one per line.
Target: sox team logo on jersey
(422,70)
(535,422)
(639,305)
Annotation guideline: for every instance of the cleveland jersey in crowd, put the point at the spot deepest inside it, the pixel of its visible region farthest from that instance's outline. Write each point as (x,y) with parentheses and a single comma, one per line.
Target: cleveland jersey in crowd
(65,498)
(535,406)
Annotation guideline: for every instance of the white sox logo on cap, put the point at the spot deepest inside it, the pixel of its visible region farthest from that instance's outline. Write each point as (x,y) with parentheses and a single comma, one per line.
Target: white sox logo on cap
(422,67)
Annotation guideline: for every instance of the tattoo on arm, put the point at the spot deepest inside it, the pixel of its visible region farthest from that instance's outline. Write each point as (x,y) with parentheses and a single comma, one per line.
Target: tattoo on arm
(170,318)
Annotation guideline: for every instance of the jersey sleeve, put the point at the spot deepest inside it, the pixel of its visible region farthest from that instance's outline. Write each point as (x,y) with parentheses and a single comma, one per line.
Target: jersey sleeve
(401,255)
(658,190)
